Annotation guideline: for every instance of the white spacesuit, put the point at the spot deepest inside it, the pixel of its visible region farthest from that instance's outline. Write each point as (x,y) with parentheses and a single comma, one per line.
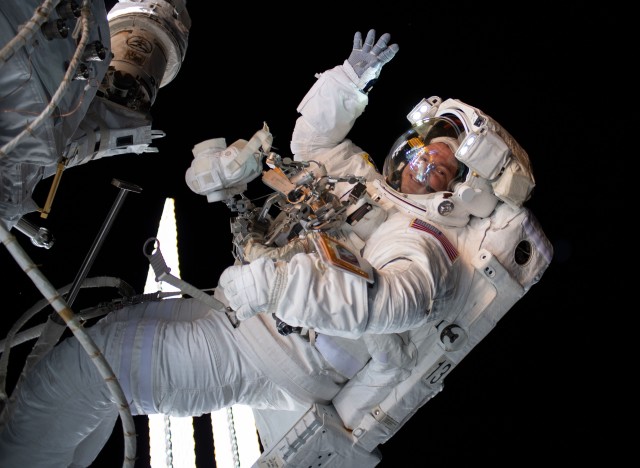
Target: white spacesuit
(355,296)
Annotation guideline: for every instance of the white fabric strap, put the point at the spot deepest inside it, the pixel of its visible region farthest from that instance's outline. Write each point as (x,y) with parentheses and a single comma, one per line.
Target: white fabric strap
(340,358)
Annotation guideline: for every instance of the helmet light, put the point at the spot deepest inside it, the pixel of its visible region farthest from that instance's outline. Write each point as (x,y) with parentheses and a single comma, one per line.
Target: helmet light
(484,152)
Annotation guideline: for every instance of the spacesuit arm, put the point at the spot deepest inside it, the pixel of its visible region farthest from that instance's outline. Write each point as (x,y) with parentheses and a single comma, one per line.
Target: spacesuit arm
(305,291)
(339,96)
(340,304)
(328,112)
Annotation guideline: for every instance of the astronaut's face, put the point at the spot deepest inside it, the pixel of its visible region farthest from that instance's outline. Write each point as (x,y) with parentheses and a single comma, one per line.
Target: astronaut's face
(431,171)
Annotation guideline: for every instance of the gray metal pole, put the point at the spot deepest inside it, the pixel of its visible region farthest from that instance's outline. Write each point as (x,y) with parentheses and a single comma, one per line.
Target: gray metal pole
(125,188)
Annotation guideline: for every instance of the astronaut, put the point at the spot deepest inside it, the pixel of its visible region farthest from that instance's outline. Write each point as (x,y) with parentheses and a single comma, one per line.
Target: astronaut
(351,293)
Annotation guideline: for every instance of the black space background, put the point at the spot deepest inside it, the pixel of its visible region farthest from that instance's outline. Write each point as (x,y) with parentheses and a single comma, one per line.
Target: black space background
(540,388)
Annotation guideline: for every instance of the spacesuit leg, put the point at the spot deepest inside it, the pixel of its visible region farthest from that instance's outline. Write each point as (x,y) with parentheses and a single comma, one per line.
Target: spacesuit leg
(62,401)
(85,453)
(175,357)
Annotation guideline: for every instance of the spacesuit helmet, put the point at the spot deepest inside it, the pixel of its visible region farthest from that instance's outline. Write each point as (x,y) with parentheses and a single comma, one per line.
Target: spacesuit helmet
(422,160)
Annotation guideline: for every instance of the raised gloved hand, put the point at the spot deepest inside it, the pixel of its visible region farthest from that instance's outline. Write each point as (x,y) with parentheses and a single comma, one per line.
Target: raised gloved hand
(367,60)
(249,288)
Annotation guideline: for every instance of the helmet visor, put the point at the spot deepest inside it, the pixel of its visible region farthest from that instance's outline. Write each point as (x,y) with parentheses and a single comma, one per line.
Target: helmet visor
(422,160)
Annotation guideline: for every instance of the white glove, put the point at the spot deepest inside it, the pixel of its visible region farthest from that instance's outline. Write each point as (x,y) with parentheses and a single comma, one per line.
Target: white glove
(249,288)
(367,60)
